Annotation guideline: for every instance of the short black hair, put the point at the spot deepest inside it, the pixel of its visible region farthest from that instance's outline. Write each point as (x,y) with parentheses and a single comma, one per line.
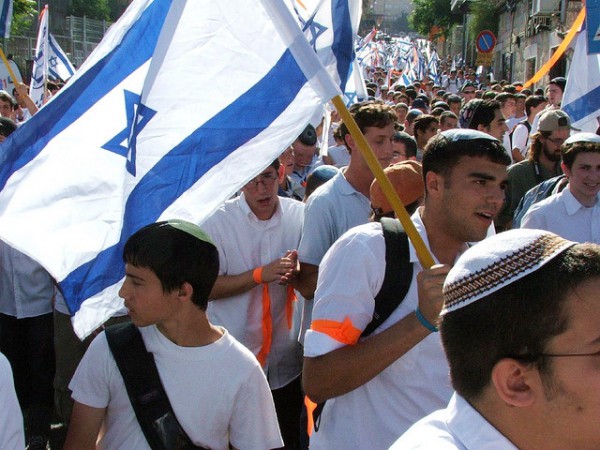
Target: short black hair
(176,257)
(409,143)
(442,154)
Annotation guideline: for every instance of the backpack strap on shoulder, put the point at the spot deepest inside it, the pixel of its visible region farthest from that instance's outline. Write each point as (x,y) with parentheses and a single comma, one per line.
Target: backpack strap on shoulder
(398,273)
(146,392)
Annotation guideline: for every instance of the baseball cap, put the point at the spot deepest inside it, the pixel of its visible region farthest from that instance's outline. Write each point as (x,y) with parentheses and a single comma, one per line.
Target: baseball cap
(555,119)
(418,103)
(407,179)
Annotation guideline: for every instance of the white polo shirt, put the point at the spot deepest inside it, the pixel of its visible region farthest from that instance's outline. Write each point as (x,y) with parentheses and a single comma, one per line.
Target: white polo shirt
(375,414)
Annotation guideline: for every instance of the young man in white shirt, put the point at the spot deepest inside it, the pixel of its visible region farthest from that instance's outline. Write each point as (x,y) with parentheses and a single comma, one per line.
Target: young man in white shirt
(520,330)
(378,386)
(573,213)
(216,388)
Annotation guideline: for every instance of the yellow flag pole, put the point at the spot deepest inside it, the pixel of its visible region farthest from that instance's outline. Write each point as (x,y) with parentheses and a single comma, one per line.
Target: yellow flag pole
(10,72)
(386,186)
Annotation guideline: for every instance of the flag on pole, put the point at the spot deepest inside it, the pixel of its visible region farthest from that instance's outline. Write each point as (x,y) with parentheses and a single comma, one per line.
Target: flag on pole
(59,65)
(330,27)
(581,99)
(181,104)
(39,75)
(6,12)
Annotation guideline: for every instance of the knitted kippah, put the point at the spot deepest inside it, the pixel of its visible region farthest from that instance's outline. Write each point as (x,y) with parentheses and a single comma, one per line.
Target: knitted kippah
(497,262)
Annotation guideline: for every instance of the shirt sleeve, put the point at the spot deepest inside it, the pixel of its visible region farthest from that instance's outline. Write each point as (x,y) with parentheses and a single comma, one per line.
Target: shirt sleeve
(349,279)
(91,383)
(254,423)
(519,140)
(317,232)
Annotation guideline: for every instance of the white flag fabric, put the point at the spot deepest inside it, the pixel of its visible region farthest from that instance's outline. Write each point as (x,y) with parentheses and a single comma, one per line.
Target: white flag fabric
(6,12)
(180,105)
(581,99)
(331,27)
(39,74)
(59,65)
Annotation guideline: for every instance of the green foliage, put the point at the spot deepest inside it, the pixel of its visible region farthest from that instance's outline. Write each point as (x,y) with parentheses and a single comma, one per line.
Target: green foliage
(430,13)
(24,13)
(483,17)
(92,9)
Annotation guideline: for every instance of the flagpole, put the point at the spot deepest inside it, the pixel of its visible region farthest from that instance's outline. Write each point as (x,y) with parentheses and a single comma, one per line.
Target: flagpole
(386,186)
(10,72)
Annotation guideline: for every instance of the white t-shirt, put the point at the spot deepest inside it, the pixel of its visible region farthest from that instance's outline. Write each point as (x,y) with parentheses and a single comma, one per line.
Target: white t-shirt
(458,427)
(12,435)
(520,139)
(244,243)
(218,393)
(376,413)
(564,215)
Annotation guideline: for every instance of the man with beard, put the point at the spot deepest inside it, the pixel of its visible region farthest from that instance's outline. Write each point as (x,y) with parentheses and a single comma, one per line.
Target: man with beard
(542,164)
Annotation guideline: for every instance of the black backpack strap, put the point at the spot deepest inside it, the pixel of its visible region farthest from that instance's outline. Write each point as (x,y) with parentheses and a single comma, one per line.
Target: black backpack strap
(146,393)
(398,273)
(396,283)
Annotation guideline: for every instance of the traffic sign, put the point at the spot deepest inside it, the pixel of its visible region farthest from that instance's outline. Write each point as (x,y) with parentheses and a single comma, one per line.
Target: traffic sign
(486,41)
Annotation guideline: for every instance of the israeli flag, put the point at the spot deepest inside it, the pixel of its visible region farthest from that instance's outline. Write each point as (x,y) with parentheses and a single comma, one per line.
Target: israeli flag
(39,74)
(180,105)
(330,27)
(6,12)
(59,66)
(581,99)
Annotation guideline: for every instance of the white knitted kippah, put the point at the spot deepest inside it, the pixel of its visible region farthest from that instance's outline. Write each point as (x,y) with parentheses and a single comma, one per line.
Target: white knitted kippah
(499,261)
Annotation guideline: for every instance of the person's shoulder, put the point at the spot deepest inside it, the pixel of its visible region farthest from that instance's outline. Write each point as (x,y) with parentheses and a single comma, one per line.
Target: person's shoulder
(519,167)
(431,432)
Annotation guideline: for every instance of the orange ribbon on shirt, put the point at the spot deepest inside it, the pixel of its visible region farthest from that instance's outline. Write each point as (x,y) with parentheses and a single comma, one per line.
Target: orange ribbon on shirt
(267,321)
(344,332)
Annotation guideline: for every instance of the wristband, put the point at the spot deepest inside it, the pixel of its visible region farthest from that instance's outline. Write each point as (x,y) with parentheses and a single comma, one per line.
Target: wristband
(423,321)
(257,275)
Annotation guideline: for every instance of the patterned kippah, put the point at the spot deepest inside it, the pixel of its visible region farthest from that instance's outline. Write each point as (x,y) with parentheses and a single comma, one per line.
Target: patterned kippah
(497,262)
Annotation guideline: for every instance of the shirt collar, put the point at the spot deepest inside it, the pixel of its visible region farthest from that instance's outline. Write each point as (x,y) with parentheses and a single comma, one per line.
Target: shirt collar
(572,205)
(251,216)
(472,429)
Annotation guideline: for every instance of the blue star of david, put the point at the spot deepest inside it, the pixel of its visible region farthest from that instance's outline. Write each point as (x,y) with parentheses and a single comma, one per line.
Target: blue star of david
(53,61)
(351,96)
(124,143)
(315,30)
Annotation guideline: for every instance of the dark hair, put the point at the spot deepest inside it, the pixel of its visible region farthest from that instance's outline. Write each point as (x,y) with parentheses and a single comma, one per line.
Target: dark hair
(447,114)
(483,113)
(570,151)
(452,98)
(441,154)
(516,321)
(370,114)
(533,101)
(409,143)
(6,97)
(423,122)
(535,146)
(504,96)
(176,257)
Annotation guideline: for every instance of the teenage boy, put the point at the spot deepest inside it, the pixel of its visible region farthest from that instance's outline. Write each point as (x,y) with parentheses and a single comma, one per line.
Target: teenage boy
(216,387)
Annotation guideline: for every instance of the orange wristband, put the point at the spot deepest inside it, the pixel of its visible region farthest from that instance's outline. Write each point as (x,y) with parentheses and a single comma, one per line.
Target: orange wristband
(257,275)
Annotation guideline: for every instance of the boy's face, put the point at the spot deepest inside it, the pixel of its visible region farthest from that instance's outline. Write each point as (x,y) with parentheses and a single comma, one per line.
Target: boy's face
(144,297)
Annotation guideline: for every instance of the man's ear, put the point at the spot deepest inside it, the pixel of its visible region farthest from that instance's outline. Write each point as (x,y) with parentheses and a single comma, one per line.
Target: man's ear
(349,141)
(280,174)
(185,291)
(434,182)
(515,382)
(481,127)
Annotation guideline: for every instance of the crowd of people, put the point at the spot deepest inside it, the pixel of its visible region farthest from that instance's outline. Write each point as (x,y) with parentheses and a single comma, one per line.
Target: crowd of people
(267,323)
